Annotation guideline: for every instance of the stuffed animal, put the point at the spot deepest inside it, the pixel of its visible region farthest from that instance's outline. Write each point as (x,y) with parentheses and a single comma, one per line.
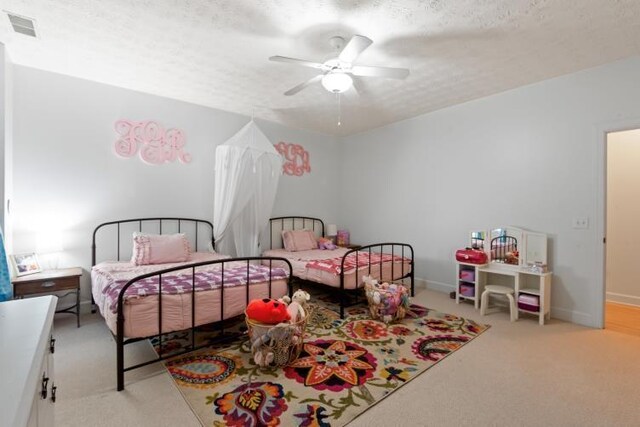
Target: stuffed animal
(296,312)
(297,305)
(263,342)
(387,301)
(324,243)
(300,296)
(267,311)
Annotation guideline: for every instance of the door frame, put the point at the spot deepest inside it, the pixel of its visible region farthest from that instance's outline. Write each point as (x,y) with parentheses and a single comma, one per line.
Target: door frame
(602,130)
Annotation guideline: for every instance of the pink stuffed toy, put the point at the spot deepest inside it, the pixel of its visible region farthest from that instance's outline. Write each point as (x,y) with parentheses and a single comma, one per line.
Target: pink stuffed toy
(324,243)
(267,311)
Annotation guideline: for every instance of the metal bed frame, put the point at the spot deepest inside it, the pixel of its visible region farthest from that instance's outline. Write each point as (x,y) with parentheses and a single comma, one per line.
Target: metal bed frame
(121,341)
(400,249)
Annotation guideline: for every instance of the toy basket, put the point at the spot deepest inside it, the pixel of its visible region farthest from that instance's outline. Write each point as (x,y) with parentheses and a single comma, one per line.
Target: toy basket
(387,302)
(284,341)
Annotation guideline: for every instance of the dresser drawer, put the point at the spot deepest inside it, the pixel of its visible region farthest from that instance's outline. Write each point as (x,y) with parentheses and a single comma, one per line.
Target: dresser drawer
(45,286)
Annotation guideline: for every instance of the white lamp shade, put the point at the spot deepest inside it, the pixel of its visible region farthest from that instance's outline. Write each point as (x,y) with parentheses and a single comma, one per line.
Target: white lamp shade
(332,229)
(337,82)
(49,242)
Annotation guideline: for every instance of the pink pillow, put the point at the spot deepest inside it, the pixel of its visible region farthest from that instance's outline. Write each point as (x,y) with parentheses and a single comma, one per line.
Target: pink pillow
(159,249)
(299,240)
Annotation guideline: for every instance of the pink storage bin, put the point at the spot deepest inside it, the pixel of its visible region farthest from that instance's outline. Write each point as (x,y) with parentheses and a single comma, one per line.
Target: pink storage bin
(468,275)
(528,307)
(532,300)
(467,290)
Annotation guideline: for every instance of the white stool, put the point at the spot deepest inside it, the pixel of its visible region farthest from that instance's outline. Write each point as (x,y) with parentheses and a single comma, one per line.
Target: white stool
(500,290)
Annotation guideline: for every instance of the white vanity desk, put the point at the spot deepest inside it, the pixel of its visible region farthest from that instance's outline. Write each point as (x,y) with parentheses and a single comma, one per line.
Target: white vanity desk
(512,253)
(524,281)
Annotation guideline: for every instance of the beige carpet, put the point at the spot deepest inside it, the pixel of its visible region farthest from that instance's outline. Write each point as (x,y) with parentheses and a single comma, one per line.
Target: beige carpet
(518,374)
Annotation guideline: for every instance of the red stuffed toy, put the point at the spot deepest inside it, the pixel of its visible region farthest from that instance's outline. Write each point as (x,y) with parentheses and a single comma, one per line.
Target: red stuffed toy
(267,311)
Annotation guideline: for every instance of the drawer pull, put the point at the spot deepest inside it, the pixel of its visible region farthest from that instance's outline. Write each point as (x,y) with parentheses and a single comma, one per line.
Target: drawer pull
(54,388)
(48,284)
(52,345)
(45,382)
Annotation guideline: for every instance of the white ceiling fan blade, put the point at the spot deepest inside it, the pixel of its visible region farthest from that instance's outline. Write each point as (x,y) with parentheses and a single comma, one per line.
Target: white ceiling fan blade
(391,73)
(298,62)
(354,48)
(301,86)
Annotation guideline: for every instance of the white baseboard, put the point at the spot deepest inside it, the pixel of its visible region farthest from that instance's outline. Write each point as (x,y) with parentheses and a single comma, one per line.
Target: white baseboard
(439,286)
(85,306)
(623,299)
(573,316)
(421,283)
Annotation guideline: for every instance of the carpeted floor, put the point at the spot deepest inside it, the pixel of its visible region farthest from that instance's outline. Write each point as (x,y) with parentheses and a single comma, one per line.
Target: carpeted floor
(345,367)
(517,373)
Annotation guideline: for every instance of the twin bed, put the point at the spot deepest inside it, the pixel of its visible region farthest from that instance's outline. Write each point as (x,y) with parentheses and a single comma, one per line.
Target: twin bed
(340,269)
(151,300)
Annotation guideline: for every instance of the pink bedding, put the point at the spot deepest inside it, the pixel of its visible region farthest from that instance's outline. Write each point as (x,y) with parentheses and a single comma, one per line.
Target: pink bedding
(141,305)
(305,267)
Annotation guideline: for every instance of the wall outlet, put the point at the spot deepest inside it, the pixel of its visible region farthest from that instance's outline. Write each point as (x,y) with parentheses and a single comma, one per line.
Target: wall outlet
(580,223)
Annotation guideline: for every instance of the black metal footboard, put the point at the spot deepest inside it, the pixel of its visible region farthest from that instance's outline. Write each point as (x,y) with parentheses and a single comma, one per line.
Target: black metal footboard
(403,250)
(224,264)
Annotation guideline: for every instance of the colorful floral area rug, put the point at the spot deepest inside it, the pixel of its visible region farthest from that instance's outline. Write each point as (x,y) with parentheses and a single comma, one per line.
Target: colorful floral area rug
(345,367)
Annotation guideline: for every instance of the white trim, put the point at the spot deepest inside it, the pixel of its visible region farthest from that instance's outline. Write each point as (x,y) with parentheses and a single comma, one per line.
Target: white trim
(584,319)
(439,286)
(422,283)
(623,299)
(600,132)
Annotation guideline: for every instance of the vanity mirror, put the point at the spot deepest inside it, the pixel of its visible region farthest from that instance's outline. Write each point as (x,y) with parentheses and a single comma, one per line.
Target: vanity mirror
(505,245)
(477,239)
(512,246)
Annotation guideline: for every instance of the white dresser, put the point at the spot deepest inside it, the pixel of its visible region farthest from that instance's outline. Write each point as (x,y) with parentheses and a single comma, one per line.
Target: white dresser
(27,388)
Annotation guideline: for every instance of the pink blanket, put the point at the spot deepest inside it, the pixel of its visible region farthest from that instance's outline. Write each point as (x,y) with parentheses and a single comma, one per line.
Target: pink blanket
(363,259)
(181,283)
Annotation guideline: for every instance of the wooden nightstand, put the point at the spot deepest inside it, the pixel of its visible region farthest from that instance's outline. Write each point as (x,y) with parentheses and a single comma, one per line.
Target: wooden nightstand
(351,246)
(50,281)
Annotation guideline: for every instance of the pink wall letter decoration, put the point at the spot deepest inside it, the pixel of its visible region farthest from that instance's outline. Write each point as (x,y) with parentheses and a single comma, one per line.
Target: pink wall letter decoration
(156,145)
(296,159)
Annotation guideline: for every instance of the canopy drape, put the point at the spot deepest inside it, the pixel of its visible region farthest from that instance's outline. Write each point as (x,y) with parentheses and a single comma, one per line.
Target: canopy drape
(247,171)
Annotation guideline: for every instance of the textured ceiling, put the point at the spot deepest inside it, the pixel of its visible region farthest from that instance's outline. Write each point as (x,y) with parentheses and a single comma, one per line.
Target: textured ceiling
(215,53)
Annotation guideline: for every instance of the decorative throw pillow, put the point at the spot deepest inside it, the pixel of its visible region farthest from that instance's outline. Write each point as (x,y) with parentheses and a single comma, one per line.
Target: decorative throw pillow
(159,249)
(299,240)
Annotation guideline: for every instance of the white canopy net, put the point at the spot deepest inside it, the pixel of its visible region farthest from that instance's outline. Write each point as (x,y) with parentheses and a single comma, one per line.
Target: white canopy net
(247,168)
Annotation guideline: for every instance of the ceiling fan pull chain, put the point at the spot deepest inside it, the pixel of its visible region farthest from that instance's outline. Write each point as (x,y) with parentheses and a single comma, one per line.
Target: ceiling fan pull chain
(339,109)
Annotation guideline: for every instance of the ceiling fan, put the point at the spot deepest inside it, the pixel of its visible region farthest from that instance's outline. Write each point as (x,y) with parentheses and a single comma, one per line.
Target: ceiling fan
(336,72)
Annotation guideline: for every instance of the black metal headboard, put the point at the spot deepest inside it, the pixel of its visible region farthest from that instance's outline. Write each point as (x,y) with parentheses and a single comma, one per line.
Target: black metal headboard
(294,223)
(188,226)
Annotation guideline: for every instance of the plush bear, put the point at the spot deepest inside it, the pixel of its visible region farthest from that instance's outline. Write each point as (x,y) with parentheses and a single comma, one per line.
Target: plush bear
(300,296)
(267,311)
(297,305)
(324,243)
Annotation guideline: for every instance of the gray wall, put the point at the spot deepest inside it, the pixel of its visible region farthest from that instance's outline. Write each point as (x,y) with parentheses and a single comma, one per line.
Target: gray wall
(68,178)
(529,157)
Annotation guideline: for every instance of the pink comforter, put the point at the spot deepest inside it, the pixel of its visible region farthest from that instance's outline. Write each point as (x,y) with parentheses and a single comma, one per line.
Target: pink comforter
(353,260)
(201,281)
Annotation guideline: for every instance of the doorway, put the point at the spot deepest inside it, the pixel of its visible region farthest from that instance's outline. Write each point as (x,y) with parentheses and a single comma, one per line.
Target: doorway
(622,275)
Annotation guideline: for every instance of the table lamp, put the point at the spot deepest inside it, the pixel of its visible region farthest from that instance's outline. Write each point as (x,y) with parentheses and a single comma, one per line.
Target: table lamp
(332,231)
(49,244)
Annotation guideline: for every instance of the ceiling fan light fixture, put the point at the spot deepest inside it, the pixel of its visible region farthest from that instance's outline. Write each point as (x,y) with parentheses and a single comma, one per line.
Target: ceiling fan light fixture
(337,82)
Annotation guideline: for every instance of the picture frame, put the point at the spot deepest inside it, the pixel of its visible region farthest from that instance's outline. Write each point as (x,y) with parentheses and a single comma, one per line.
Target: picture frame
(25,263)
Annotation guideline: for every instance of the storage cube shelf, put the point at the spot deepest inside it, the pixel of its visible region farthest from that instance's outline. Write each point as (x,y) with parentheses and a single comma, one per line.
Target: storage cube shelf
(467,283)
(532,290)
